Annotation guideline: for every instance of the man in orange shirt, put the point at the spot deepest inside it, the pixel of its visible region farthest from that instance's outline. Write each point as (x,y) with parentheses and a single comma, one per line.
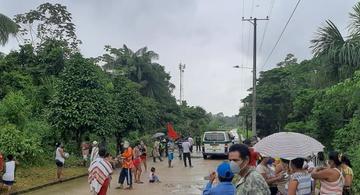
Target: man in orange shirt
(125,173)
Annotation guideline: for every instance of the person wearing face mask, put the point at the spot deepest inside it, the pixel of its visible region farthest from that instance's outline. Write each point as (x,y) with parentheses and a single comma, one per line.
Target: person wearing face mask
(331,178)
(248,181)
(265,169)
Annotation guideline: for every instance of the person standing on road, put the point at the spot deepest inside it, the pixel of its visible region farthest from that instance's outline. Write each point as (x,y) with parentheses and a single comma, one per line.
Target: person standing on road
(9,176)
(171,149)
(156,151)
(100,171)
(1,163)
(331,178)
(94,151)
(186,152)
(264,168)
(179,144)
(249,181)
(191,141)
(137,163)
(346,169)
(254,156)
(198,143)
(125,173)
(85,152)
(60,159)
(143,150)
(300,179)
(225,176)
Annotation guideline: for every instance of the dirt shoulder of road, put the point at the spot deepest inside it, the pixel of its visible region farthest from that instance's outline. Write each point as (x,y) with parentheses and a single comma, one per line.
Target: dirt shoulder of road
(30,178)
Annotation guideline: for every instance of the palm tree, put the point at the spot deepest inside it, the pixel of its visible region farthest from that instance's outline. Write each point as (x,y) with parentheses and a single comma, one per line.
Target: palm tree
(342,52)
(7,27)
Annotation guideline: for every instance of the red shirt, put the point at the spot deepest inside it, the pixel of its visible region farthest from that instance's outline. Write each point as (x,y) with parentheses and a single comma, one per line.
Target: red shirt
(253,157)
(1,162)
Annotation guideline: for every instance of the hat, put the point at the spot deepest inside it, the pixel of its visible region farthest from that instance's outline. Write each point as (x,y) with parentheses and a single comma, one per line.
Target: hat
(95,142)
(224,170)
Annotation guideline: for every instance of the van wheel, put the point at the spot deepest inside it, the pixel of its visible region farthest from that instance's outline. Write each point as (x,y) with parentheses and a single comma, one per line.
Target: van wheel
(205,156)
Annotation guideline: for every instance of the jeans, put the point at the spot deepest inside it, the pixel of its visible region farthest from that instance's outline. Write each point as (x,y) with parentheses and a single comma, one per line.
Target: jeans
(187,156)
(125,174)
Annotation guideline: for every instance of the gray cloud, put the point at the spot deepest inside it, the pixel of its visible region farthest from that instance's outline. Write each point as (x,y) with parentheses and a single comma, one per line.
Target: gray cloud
(203,34)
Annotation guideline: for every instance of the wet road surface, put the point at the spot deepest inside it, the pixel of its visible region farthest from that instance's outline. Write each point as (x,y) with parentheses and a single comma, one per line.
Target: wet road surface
(177,180)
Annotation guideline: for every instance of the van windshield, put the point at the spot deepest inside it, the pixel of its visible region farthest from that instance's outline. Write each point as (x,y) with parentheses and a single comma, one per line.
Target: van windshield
(214,137)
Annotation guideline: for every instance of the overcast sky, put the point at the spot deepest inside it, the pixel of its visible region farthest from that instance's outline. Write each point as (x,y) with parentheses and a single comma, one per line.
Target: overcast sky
(207,35)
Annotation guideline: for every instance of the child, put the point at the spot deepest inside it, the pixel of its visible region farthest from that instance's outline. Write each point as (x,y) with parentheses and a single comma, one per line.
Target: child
(225,176)
(9,175)
(152,177)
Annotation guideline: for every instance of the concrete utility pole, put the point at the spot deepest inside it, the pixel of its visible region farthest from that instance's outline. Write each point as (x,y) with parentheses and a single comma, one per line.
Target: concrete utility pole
(253,115)
(182,70)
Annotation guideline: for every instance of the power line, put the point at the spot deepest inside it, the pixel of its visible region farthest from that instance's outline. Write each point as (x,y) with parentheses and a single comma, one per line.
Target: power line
(282,32)
(267,24)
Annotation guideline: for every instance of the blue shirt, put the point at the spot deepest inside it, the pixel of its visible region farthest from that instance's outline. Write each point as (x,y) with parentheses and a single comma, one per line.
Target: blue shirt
(223,188)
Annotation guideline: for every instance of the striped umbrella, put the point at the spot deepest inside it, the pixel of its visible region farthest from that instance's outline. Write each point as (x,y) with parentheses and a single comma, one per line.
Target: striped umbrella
(288,145)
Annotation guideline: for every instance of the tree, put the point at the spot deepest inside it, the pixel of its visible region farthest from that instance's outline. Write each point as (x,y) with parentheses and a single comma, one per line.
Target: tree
(341,53)
(289,59)
(48,22)
(7,27)
(80,104)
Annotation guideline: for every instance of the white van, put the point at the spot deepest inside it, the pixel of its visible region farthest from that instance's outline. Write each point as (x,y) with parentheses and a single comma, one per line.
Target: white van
(216,143)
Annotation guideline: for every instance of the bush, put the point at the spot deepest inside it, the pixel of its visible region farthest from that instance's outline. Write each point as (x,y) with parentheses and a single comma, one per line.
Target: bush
(25,147)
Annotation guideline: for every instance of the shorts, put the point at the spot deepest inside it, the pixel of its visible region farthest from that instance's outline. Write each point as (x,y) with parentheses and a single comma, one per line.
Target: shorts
(8,183)
(85,157)
(137,162)
(59,163)
(170,156)
(143,157)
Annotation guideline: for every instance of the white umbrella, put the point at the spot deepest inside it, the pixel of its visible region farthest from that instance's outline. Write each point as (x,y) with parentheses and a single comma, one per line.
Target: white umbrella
(156,135)
(288,145)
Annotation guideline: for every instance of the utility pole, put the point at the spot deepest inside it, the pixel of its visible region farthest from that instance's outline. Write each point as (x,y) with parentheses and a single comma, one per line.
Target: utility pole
(182,69)
(253,21)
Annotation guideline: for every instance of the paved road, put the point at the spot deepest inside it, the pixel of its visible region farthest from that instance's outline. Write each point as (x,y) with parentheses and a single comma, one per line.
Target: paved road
(178,180)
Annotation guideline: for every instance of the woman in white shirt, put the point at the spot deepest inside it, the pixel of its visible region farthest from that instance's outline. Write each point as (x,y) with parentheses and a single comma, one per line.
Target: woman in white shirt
(59,160)
(9,175)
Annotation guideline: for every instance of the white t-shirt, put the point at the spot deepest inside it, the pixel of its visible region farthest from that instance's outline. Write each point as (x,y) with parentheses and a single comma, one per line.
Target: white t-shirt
(151,176)
(186,147)
(191,141)
(9,174)
(58,155)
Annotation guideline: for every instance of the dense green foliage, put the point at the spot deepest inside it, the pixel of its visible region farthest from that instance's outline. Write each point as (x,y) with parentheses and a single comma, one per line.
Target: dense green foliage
(50,93)
(319,97)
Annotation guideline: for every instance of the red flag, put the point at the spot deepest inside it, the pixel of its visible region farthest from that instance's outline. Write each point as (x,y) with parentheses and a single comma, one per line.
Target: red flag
(171,132)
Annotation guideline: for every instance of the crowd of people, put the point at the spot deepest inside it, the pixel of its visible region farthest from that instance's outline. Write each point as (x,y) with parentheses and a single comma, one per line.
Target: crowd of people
(249,173)
(246,171)
(131,160)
